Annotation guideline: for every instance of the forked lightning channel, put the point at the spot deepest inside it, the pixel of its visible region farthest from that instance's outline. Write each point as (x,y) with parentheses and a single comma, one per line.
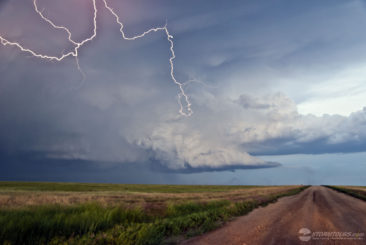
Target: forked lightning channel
(183,110)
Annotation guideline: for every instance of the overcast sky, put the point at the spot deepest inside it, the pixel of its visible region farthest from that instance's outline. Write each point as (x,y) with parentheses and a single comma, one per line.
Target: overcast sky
(277,88)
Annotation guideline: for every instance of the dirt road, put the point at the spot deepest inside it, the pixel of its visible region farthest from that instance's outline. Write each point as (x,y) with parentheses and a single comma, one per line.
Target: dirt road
(317,209)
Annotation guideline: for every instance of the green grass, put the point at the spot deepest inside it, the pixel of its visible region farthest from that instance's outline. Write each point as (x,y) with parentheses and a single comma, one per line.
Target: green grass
(41,223)
(95,224)
(86,187)
(352,192)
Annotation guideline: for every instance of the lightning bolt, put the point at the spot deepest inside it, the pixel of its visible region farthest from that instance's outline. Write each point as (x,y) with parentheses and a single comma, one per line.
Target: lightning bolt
(76,44)
(184,110)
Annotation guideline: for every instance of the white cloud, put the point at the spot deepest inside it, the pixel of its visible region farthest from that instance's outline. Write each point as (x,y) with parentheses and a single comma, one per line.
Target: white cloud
(178,145)
(342,93)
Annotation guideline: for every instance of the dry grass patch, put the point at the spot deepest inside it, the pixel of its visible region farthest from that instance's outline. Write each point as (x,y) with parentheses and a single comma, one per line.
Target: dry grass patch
(151,200)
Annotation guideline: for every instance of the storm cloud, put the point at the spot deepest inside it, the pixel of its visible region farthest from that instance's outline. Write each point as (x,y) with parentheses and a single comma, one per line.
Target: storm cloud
(126,111)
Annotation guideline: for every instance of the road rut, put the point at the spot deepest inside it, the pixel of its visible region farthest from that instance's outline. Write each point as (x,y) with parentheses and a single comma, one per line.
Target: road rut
(317,209)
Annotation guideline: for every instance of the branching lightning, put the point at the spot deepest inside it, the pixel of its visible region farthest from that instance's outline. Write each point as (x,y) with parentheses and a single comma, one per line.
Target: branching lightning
(184,110)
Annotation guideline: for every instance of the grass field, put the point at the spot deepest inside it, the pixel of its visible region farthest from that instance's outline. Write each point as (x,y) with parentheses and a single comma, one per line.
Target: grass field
(86,187)
(355,191)
(70,213)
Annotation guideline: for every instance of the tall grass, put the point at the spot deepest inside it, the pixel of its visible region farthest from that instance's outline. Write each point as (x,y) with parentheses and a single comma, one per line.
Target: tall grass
(40,224)
(94,224)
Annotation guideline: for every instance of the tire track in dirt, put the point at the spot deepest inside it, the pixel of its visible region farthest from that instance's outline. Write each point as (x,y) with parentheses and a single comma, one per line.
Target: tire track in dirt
(317,208)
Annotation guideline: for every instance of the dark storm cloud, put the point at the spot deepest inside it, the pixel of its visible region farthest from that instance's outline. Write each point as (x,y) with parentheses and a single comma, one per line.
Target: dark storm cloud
(318,146)
(124,116)
(189,170)
(3,2)
(35,167)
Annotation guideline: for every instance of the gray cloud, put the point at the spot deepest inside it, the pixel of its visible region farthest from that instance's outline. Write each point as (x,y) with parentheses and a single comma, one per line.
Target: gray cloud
(126,109)
(188,169)
(281,130)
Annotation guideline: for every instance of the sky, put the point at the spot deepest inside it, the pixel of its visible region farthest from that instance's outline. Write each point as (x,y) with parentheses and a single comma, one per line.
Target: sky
(277,91)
